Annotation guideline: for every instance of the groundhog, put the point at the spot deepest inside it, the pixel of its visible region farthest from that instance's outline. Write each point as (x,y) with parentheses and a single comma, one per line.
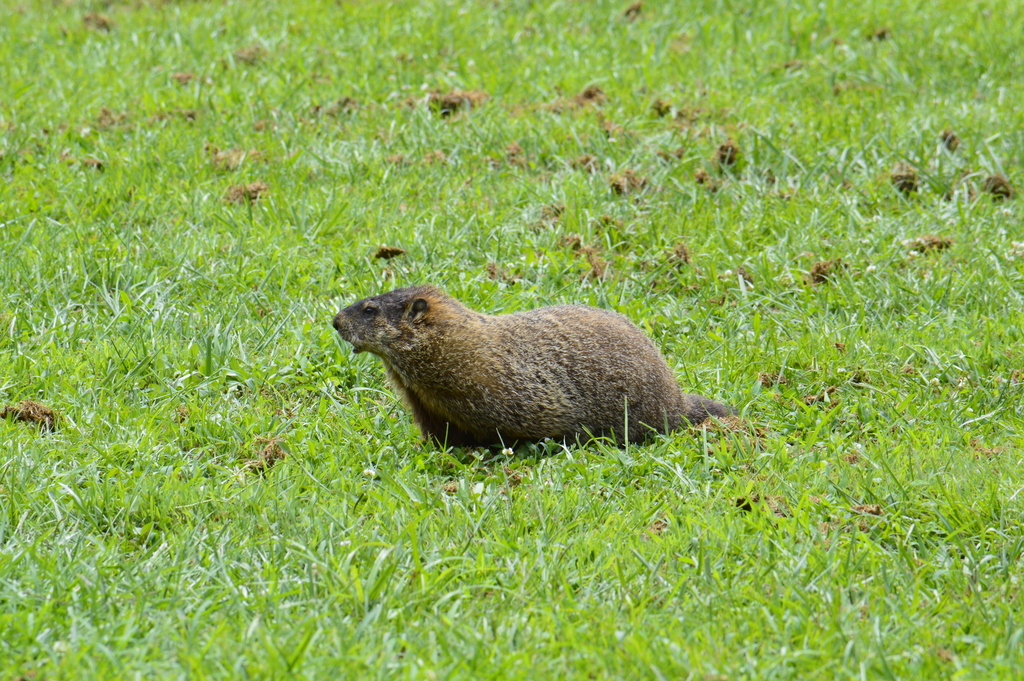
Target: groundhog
(567,372)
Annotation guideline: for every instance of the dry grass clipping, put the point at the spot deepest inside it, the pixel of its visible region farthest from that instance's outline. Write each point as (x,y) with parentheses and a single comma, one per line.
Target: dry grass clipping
(32,412)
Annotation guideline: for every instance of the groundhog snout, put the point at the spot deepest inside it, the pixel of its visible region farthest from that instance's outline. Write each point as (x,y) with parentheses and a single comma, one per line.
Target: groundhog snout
(337,323)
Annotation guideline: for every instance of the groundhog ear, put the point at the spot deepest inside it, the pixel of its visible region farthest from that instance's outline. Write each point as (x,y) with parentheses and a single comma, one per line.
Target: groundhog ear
(418,307)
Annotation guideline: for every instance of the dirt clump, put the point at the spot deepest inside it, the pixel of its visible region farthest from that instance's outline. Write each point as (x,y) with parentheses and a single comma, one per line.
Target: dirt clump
(93,164)
(95,21)
(880,34)
(108,118)
(183,77)
(633,12)
(181,413)
(705,180)
(446,104)
(29,411)
(626,182)
(727,154)
(435,157)
(598,266)
(671,156)
(269,454)
(680,254)
(950,140)
(252,55)
(771,379)
(823,271)
(904,178)
(998,186)
(591,94)
(776,504)
(515,155)
(868,509)
(552,212)
(498,273)
(338,106)
(928,243)
(586,162)
(661,107)
(824,396)
(389,252)
(246,192)
(231,159)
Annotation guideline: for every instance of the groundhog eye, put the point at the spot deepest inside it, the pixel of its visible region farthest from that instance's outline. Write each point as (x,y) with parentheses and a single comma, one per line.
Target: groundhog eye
(369,310)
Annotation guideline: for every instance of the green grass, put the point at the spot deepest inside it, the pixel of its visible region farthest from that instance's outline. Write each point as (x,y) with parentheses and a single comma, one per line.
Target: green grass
(179,335)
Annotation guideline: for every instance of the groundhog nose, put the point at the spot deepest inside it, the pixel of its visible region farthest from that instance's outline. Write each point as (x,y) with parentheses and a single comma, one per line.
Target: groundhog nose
(337,322)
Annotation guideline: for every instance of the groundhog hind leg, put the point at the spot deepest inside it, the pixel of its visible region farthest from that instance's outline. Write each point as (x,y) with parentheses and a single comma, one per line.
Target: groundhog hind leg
(696,409)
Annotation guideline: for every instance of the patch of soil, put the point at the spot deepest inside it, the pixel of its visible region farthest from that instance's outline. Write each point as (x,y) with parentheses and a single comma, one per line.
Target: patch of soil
(252,55)
(552,212)
(571,241)
(515,155)
(740,271)
(107,118)
(96,21)
(904,178)
(435,157)
(627,182)
(705,180)
(680,254)
(727,154)
(598,267)
(987,452)
(231,159)
(880,34)
(388,252)
(633,12)
(499,273)
(586,162)
(822,397)
(927,243)
(93,164)
(851,458)
(661,107)
(868,509)
(339,106)
(822,272)
(841,347)
(998,186)
(591,94)
(671,156)
(181,414)
(657,527)
(246,192)
(772,379)
(776,504)
(446,104)
(450,487)
(950,139)
(270,452)
(183,77)
(30,411)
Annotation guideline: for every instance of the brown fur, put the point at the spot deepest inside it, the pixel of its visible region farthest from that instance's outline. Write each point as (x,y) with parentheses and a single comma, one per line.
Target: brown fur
(562,372)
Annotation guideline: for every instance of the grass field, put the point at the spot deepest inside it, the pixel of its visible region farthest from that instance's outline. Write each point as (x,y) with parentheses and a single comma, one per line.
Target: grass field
(190,190)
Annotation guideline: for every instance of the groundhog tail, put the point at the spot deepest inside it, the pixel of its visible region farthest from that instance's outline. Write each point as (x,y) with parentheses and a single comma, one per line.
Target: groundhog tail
(696,409)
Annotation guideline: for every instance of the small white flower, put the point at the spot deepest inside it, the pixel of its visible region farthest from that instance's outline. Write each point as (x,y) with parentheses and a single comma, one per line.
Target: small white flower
(369,472)
(507,451)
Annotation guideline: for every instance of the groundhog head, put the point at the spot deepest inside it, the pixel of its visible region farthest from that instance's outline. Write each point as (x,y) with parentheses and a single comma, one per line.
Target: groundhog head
(388,324)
